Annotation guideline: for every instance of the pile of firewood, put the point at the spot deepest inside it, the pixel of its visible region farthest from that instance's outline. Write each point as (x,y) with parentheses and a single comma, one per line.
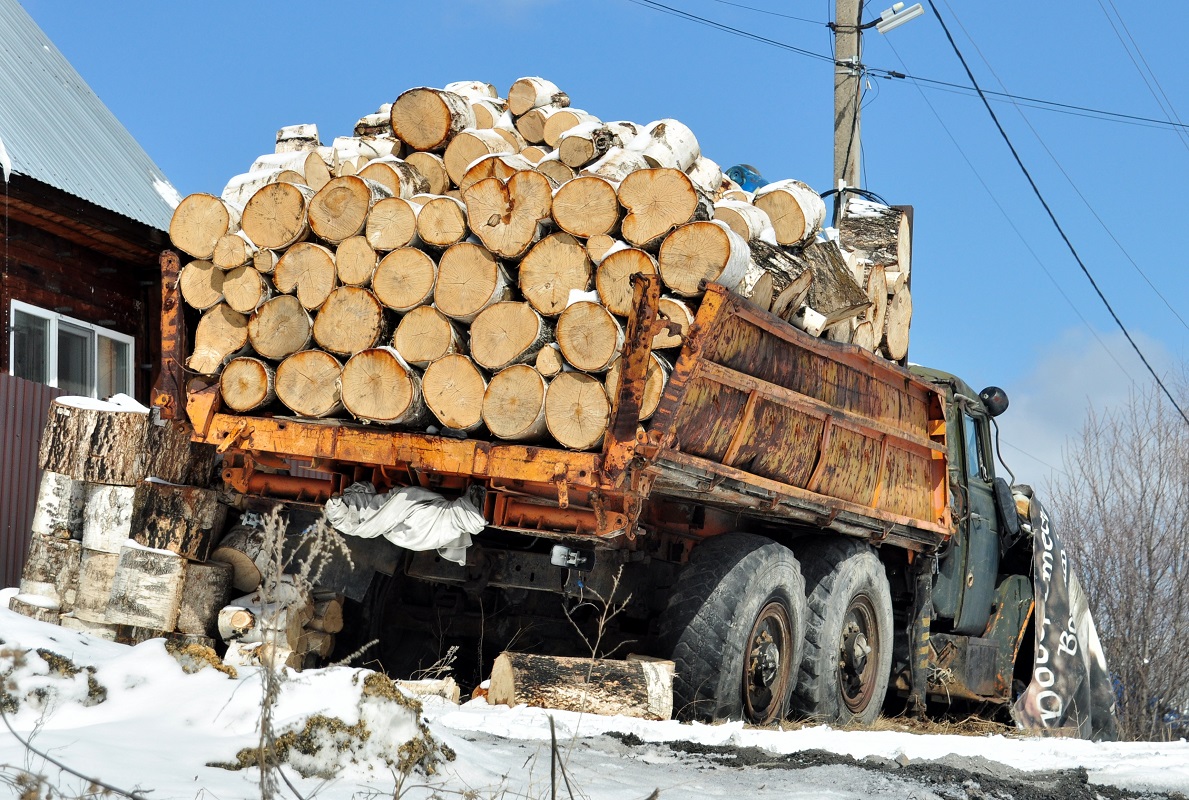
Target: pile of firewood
(123,528)
(465,261)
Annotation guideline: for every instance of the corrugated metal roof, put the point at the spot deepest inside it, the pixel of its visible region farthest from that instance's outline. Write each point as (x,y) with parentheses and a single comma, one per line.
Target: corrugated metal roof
(57,131)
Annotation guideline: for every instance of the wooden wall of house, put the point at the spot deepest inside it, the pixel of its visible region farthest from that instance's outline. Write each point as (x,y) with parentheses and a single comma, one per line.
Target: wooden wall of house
(54,273)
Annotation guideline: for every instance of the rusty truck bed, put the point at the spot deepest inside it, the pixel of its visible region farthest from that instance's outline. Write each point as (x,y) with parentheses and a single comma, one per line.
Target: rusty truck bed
(758,419)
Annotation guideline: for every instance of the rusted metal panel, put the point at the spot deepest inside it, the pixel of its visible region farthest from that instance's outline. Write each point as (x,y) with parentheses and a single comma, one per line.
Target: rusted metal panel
(168,394)
(24,407)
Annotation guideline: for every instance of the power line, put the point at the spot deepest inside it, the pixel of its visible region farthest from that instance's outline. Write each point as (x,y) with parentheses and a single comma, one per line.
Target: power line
(1053,217)
(1068,177)
(1012,224)
(1036,102)
(771,13)
(664,9)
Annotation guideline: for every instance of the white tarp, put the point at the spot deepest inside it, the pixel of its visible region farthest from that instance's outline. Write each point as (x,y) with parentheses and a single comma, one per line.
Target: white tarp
(411,517)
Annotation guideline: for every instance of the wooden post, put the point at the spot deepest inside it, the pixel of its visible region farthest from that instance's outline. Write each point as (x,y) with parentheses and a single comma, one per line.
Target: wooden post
(848,50)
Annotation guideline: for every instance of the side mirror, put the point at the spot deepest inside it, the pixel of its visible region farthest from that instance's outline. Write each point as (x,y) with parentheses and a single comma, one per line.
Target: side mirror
(994,399)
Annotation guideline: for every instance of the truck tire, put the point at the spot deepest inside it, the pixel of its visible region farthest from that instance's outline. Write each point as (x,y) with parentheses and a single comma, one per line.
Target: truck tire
(847,660)
(734,625)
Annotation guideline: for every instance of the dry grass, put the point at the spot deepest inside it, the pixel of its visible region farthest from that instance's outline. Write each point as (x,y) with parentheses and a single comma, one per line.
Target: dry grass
(967,726)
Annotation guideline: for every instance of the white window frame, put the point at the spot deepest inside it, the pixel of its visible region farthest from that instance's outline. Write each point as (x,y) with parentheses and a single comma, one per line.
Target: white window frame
(96,330)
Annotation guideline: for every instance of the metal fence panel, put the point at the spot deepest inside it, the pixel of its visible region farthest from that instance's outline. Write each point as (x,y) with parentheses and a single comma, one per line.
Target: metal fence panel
(24,407)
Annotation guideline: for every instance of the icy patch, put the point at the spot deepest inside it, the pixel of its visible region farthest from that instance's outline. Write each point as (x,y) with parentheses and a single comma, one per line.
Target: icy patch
(167,192)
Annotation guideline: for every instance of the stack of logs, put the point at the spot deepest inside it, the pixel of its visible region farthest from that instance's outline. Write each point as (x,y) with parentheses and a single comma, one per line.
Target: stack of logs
(127,544)
(123,528)
(279,623)
(465,261)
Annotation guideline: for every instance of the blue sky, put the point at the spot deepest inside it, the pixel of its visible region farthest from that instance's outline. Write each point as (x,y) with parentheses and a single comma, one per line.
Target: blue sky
(204,87)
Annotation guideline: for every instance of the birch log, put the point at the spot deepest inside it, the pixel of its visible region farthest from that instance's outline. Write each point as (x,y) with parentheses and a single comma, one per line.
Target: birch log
(534,92)
(425,334)
(586,206)
(670,144)
(442,222)
(97,572)
(427,119)
(470,145)
(404,279)
(107,517)
(554,267)
(276,216)
(641,689)
(185,520)
(280,328)
(453,389)
(350,320)
(201,284)
(307,270)
(221,334)
(339,210)
(796,211)
(147,589)
(702,252)
(657,201)
(514,404)
(589,336)
(655,378)
(398,176)
(245,289)
(355,260)
(199,221)
(896,324)
(508,333)
(507,216)
(59,508)
(242,548)
(392,224)
(379,386)
(577,410)
(52,570)
(233,250)
(433,169)
(469,280)
(677,318)
(307,383)
(613,279)
(247,384)
(206,589)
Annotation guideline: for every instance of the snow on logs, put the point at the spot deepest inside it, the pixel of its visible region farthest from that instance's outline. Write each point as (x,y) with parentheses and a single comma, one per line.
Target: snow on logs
(465,262)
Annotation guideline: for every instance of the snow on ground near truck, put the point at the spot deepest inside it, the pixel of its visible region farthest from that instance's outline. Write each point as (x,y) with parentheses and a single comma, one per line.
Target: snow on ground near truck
(132,717)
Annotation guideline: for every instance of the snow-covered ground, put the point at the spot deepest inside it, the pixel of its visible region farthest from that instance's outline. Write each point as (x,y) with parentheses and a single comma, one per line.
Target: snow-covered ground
(137,720)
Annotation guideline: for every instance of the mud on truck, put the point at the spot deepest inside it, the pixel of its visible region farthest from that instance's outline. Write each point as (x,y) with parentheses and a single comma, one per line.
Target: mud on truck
(803,527)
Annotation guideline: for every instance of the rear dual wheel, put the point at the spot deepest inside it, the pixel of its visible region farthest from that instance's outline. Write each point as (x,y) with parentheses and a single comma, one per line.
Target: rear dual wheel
(734,626)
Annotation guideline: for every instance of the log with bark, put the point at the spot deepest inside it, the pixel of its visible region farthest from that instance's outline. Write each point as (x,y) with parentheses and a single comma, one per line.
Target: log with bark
(589,336)
(507,216)
(514,404)
(59,508)
(896,323)
(404,279)
(453,389)
(534,92)
(667,143)
(222,334)
(42,609)
(425,334)
(186,520)
(391,224)
(641,689)
(433,169)
(242,548)
(613,280)
(795,210)
(469,280)
(470,145)
(97,572)
(577,410)
(655,378)
(339,210)
(307,270)
(147,589)
(201,284)
(508,333)
(554,267)
(276,216)
(677,318)
(442,222)
(834,293)
(657,201)
(350,320)
(401,178)
(586,206)
(98,443)
(698,253)
(427,119)
(307,383)
(52,570)
(205,590)
(107,516)
(280,328)
(245,289)
(234,250)
(199,221)
(877,234)
(379,386)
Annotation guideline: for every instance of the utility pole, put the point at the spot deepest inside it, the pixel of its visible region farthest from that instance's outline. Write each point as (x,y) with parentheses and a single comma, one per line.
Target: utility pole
(848,16)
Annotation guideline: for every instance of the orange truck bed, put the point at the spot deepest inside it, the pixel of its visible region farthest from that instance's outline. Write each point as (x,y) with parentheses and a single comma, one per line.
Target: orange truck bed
(758,419)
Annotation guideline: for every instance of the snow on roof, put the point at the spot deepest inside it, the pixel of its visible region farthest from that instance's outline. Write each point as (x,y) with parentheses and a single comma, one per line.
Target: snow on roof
(56,130)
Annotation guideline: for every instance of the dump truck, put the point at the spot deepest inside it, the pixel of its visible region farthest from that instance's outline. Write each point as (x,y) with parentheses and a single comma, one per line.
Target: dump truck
(802,527)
